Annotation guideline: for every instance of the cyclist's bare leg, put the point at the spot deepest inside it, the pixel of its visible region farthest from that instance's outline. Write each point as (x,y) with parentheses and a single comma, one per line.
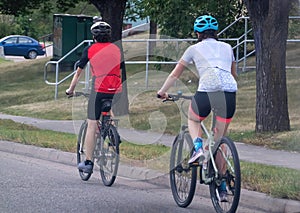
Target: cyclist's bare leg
(90,138)
(111,113)
(194,126)
(220,130)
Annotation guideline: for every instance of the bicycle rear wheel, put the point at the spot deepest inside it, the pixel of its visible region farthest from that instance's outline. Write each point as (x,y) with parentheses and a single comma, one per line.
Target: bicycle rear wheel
(109,156)
(183,177)
(226,154)
(81,150)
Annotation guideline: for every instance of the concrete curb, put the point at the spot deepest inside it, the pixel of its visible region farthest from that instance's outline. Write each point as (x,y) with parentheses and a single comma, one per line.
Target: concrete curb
(257,201)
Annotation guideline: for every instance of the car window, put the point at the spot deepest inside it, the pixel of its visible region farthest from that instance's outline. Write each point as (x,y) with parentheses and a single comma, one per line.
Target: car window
(11,41)
(24,40)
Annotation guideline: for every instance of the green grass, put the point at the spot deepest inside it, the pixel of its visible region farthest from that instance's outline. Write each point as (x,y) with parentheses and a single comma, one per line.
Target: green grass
(2,60)
(24,92)
(30,135)
(275,181)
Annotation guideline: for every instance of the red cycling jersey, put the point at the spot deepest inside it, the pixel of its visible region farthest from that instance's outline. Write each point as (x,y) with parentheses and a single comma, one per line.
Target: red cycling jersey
(105,59)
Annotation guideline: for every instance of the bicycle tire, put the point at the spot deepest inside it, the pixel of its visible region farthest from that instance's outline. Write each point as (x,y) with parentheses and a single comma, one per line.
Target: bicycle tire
(232,177)
(183,177)
(81,150)
(109,156)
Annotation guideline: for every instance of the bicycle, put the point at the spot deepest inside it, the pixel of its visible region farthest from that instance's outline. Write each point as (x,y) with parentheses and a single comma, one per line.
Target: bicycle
(106,154)
(183,176)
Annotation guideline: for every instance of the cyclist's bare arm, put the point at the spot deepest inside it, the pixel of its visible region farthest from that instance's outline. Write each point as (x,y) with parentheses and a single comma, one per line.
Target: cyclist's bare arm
(174,75)
(74,81)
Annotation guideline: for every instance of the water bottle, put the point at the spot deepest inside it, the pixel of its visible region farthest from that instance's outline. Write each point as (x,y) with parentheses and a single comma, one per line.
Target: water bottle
(197,144)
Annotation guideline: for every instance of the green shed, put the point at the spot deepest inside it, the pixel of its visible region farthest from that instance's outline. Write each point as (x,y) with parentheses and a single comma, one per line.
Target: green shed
(68,32)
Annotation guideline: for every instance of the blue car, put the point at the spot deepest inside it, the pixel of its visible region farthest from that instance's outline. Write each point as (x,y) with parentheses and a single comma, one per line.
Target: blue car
(18,45)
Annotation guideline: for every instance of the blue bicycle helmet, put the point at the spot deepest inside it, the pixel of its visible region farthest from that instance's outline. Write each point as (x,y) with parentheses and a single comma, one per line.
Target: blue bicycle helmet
(205,22)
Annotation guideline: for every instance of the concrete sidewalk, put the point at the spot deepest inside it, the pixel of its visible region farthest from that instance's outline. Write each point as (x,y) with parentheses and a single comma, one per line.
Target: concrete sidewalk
(259,201)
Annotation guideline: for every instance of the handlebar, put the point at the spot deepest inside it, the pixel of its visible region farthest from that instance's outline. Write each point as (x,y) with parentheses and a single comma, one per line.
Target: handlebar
(173,97)
(77,94)
(176,97)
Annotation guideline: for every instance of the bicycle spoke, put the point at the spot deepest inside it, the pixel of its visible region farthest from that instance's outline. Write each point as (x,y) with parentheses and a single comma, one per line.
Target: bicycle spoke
(182,176)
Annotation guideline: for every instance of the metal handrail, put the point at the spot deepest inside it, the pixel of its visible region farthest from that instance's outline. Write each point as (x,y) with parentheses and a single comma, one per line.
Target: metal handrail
(56,63)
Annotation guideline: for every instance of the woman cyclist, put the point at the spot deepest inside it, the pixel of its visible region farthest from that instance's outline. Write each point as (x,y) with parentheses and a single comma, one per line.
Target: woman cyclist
(215,63)
(105,59)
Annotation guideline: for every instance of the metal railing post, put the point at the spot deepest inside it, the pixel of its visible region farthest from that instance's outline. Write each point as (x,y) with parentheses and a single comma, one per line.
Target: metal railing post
(237,55)
(245,43)
(147,63)
(56,81)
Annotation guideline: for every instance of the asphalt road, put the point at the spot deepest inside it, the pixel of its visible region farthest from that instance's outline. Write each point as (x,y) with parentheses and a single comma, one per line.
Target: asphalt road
(34,185)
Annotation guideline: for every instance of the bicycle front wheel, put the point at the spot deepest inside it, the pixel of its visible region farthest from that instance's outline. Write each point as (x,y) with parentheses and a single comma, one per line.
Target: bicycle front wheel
(109,155)
(183,177)
(228,165)
(81,150)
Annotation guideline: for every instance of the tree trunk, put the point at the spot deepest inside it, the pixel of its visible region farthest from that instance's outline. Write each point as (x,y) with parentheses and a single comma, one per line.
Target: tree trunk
(270,25)
(112,12)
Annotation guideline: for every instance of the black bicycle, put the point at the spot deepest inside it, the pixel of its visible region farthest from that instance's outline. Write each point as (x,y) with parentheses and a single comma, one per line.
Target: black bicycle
(106,154)
(183,176)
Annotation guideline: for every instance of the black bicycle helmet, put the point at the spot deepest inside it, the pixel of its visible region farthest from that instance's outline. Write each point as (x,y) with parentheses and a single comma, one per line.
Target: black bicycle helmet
(100,28)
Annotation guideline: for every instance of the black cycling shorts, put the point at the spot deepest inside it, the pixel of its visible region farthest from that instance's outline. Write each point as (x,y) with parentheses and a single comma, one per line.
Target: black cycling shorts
(95,104)
(222,103)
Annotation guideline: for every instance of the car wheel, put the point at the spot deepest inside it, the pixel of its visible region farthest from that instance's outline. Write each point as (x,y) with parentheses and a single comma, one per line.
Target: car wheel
(31,55)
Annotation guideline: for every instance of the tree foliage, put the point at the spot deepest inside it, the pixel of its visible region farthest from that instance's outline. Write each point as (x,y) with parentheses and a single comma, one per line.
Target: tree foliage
(18,7)
(23,7)
(38,22)
(176,17)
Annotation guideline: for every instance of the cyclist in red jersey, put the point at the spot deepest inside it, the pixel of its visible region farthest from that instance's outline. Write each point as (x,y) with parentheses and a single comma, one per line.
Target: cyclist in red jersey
(105,59)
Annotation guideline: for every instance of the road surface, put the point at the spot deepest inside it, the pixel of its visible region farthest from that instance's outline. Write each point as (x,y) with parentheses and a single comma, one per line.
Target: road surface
(34,185)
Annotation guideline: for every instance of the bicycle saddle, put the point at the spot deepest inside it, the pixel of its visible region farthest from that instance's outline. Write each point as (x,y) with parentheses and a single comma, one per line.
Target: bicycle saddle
(106,105)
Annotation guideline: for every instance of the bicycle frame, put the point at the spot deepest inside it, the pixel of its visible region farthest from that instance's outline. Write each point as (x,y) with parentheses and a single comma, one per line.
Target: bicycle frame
(211,143)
